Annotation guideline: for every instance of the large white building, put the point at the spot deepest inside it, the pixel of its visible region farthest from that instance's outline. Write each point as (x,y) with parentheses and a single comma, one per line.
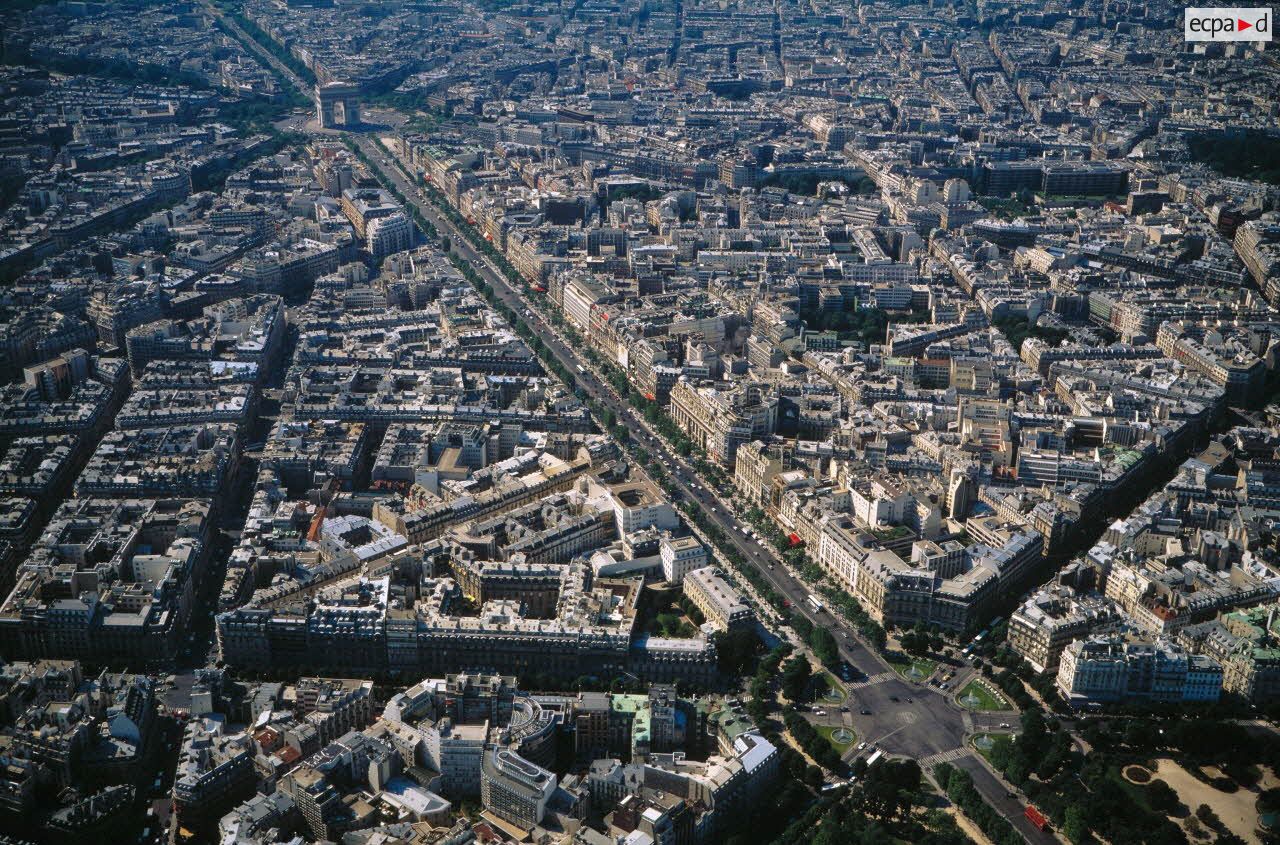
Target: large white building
(1108,669)
(680,556)
(388,235)
(636,507)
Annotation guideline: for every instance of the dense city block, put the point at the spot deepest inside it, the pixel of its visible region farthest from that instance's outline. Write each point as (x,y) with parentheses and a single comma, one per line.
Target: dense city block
(638,422)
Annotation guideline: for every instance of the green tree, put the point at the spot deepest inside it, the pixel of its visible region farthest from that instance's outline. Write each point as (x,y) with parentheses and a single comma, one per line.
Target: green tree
(824,646)
(1206,815)
(668,622)
(1074,826)
(1017,770)
(915,643)
(888,789)
(1162,797)
(795,678)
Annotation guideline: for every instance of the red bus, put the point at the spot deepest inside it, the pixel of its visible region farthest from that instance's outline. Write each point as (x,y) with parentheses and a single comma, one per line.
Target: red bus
(1036,818)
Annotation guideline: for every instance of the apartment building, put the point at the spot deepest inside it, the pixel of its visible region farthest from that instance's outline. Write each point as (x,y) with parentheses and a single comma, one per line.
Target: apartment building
(720,603)
(720,419)
(1105,669)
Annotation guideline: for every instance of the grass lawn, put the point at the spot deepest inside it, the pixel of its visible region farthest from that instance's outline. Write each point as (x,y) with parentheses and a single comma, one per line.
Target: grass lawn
(983,699)
(923,664)
(1136,793)
(833,693)
(981,745)
(827,730)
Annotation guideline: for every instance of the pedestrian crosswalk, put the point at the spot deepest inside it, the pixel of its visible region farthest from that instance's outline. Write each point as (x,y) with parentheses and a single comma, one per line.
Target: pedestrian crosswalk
(944,757)
(873,680)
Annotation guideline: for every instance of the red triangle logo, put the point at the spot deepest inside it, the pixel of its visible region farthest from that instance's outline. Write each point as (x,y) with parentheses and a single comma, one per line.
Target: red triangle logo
(1242,25)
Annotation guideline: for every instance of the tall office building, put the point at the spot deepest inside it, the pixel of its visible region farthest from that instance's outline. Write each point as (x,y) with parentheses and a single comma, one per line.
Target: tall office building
(514,789)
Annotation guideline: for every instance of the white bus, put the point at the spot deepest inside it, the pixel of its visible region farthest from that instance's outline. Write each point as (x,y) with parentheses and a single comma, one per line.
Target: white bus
(874,757)
(815,603)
